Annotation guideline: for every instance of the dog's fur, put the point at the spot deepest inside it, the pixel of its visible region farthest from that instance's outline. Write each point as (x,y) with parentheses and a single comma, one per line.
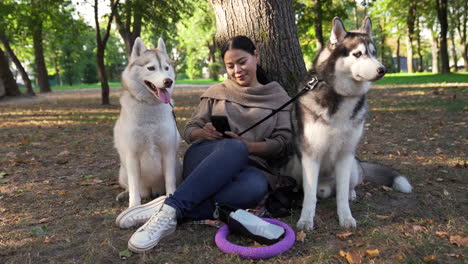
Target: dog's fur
(145,134)
(328,124)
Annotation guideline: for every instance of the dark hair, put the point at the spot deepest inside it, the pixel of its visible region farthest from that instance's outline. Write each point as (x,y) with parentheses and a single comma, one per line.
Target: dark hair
(244,43)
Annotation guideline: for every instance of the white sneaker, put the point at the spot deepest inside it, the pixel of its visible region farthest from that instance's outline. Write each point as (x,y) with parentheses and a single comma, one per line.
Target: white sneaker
(138,215)
(162,224)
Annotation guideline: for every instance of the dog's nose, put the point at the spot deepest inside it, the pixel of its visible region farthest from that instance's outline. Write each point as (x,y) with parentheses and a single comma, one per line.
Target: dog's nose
(381,70)
(167,82)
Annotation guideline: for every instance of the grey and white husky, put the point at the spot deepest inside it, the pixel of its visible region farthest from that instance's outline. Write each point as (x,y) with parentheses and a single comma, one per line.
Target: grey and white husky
(328,123)
(145,134)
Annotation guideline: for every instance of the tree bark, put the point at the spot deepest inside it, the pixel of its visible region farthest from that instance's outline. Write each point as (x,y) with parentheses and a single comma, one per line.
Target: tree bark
(41,69)
(418,43)
(11,54)
(410,20)
(101,48)
(454,52)
(461,28)
(441,6)
(6,77)
(129,24)
(435,53)
(270,24)
(398,55)
(318,24)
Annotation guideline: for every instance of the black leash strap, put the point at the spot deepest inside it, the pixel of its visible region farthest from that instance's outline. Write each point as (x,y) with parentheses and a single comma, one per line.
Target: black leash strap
(310,85)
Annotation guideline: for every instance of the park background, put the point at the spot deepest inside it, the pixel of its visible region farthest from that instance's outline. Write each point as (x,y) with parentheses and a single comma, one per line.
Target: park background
(60,66)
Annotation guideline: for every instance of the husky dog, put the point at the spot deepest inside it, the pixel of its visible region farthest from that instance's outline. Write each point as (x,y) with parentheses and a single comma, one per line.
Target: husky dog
(328,124)
(145,133)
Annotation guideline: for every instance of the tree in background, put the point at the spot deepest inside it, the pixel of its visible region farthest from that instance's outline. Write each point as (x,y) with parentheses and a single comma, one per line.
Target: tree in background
(312,23)
(196,43)
(101,42)
(133,15)
(441,6)
(271,25)
(7,82)
(459,21)
(7,26)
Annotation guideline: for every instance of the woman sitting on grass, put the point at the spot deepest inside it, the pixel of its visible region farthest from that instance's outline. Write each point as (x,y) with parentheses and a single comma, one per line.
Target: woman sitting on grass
(218,170)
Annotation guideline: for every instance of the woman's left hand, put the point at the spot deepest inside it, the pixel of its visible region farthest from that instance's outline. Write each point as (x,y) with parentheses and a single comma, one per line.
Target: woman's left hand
(235,136)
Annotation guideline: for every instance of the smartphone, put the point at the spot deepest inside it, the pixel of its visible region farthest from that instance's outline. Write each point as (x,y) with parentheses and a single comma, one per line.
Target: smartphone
(221,124)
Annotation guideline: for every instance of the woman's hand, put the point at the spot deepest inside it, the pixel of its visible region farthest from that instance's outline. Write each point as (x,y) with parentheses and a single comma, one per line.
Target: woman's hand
(208,132)
(255,148)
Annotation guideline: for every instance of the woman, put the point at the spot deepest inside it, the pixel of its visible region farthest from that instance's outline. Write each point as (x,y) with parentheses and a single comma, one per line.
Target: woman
(219,170)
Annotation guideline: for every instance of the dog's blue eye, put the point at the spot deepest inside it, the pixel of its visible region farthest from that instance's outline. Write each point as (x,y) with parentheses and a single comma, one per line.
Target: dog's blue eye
(357,54)
(151,68)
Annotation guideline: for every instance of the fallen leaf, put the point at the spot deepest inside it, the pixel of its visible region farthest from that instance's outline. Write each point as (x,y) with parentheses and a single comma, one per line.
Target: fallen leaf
(63,153)
(372,253)
(2,175)
(441,234)
(386,188)
(439,180)
(256,244)
(459,241)
(344,235)
(62,193)
(353,257)
(417,228)
(382,217)
(25,141)
(43,220)
(458,256)
(300,236)
(429,258)
(125,254)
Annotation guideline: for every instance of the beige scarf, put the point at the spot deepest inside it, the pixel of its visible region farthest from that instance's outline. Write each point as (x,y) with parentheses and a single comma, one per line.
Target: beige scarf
(268,96)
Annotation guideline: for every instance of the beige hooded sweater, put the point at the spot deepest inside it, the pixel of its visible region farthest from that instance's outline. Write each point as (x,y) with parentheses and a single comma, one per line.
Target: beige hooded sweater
(243,107)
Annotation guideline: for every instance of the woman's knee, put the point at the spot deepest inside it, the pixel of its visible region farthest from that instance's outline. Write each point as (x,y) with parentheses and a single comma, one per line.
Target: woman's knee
(235,146)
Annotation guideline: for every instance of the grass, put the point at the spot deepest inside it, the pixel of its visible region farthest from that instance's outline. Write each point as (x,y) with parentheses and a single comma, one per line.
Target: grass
(58,183)
(423,78)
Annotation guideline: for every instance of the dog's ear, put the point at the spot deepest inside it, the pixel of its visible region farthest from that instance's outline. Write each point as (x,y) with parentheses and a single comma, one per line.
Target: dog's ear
(138,49)
(338,31)
(161,45)
(366,27)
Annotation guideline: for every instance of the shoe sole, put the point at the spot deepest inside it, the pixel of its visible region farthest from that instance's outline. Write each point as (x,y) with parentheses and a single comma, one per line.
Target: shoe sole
(129,211)
(149,247)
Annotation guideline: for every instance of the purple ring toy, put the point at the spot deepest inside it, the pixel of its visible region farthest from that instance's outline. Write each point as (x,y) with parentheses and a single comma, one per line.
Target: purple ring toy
(256,252)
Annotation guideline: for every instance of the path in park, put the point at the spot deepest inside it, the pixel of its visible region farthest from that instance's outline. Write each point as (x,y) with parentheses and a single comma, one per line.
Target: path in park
(78,93)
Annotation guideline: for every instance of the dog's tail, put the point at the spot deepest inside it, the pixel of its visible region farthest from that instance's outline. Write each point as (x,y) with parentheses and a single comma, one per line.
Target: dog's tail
(386,176)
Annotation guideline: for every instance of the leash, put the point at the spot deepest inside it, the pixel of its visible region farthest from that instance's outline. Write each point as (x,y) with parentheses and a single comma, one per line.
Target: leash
(309,86)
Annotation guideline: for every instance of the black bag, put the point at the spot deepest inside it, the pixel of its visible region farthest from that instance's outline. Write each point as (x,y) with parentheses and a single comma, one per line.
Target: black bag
(280,202)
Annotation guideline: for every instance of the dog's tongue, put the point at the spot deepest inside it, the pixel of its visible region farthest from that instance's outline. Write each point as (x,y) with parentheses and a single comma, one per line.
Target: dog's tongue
(164,96)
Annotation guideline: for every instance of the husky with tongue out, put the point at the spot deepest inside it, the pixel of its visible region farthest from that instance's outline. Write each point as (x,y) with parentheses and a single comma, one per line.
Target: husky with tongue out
(145,133)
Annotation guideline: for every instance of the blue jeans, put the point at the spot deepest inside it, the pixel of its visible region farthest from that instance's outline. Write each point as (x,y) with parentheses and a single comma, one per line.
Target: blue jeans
(217,172)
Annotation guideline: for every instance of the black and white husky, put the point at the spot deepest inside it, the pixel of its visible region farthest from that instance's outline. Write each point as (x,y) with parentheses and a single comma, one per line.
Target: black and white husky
(328,123)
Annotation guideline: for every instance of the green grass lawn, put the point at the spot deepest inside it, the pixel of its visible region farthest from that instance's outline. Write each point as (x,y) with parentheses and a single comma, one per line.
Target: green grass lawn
(423,77)
(391,78)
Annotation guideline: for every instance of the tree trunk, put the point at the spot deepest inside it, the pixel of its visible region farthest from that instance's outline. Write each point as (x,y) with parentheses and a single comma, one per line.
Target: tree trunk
(418,42)
(102,76)
(454,52)
(461,28)
(441,6)
(41,69)
(409,54)
(129,31)
(356,15)
(19,66)
(6,78)
(435,53)
(398,55)
(318,24)
(410,20)
(101,48)
(270,24)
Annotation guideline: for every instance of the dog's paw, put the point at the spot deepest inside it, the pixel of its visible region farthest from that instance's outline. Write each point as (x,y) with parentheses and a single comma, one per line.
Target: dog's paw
(305,225)
(347,222)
